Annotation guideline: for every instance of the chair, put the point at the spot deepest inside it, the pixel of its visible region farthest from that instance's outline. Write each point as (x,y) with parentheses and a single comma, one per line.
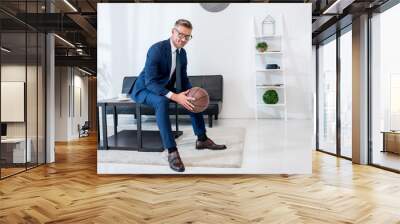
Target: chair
(84,130)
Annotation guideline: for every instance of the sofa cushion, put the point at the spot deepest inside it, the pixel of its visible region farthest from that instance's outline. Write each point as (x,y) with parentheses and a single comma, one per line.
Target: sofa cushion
(127,84)
(213,84)
(213,108)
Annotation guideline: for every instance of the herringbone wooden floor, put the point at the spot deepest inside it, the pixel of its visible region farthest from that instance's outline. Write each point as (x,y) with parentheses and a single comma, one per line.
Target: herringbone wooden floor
(70,191)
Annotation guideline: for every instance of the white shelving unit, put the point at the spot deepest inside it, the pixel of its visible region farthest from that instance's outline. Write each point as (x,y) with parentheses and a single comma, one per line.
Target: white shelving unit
(268,70)
(267,53)
(269,87)
(267,79)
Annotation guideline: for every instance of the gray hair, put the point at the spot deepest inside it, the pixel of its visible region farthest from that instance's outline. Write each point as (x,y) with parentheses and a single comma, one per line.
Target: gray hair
(184,22)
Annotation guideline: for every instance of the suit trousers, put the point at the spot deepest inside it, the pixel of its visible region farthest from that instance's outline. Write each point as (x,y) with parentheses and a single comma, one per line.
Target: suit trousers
(161,107)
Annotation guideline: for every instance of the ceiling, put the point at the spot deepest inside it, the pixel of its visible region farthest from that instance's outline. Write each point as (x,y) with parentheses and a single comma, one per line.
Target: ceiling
(76,21)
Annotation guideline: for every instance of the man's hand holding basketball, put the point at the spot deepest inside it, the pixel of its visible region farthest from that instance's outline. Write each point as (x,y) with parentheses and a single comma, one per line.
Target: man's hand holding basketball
(183,100)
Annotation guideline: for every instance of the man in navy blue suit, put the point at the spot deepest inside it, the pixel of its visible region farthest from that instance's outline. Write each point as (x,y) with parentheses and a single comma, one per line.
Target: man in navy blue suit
(166,65)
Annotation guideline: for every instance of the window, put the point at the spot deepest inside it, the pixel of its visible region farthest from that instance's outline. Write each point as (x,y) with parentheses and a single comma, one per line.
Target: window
(327,96)
(22,66)
(346,93)
(385,89)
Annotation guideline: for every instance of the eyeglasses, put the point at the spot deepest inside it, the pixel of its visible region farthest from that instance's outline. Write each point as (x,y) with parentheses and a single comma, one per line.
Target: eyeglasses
(183,36)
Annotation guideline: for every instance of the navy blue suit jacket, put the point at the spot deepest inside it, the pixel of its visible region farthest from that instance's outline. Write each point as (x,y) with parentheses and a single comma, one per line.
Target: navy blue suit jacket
(155,75)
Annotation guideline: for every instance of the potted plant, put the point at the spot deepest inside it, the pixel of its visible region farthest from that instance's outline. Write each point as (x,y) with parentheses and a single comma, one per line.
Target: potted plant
(270,97)
(262,46)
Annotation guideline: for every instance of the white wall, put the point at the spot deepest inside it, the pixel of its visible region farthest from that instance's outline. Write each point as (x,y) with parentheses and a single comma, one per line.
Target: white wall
(223,43)
(80,82)
(66,120)
(33,125)
(61,103)
(16,72)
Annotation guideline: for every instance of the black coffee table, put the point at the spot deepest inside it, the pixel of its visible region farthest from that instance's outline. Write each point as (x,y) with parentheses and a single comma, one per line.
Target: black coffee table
(138,140)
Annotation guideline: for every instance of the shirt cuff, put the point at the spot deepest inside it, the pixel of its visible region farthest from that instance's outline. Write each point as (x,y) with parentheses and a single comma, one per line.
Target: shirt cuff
(169,94)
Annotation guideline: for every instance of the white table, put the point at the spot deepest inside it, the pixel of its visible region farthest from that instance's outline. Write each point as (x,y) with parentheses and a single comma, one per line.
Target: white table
(18,145)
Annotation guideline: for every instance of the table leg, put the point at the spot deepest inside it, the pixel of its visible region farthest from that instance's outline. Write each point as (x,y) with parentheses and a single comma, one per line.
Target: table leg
(104,126)
(97,126)
(115,116)
(176,117)
(384,143)
(139,127)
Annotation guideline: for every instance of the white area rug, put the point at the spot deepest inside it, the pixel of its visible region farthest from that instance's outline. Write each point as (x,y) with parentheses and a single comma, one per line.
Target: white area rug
(231,157)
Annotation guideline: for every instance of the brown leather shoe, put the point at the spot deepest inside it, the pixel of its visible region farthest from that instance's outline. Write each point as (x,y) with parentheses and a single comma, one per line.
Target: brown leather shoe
(209,144)
(175,162)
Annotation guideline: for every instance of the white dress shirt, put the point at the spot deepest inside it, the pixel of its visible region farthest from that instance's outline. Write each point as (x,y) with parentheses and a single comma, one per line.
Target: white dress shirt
(173,64)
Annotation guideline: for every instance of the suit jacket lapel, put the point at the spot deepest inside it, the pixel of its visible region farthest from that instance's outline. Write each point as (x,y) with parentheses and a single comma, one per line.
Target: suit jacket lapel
(168,55)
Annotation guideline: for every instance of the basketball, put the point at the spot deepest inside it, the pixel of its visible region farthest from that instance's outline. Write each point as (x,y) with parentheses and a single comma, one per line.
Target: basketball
(201,99)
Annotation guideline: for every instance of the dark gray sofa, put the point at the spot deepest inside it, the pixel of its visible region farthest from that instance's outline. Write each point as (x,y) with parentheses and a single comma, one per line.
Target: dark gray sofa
(213,84)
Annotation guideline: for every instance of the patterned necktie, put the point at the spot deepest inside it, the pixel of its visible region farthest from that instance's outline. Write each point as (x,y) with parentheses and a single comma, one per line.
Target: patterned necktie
(178,82)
